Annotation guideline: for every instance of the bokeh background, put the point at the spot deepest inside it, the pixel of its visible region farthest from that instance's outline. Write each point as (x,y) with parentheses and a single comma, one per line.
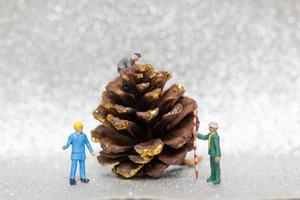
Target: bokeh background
(239,59)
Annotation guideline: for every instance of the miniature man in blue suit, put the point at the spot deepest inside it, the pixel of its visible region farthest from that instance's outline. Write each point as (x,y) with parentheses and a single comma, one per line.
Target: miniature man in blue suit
(78,140)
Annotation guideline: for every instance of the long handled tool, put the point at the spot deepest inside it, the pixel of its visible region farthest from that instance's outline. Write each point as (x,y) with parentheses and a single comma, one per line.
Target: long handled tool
(195,144)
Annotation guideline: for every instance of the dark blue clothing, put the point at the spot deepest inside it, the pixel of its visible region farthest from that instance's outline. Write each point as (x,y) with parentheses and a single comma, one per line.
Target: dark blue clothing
(125,63)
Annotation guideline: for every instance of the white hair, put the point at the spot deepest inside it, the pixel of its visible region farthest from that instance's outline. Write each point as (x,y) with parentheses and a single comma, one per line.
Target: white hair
(213,125)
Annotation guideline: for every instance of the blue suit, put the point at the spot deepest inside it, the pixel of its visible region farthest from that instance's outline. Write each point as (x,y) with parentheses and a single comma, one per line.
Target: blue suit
(78,142)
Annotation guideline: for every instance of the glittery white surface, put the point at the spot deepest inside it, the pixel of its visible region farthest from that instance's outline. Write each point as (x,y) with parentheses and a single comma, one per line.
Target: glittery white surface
(239,59)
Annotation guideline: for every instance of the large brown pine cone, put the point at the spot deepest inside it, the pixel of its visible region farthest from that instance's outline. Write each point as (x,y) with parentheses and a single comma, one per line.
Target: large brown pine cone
(144,130)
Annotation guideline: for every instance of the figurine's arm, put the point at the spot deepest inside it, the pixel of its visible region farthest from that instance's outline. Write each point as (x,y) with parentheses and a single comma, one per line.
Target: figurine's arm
(216,143)
(202,137)
(123,64)
(68,143)
(128,64)
(88,145)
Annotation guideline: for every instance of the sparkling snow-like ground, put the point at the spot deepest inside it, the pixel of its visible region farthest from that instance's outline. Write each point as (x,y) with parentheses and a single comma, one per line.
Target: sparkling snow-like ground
(246,177)
(239,59)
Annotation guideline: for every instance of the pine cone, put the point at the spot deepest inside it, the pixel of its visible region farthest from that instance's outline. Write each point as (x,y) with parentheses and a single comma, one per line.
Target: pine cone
(144,130)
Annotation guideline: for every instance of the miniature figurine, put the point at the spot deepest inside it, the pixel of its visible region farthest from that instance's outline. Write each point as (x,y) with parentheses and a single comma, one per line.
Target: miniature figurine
(126,63)
(78,140)
(214,152)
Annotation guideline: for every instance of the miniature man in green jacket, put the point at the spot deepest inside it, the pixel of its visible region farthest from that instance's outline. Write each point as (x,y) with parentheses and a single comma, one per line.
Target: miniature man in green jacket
(214,152)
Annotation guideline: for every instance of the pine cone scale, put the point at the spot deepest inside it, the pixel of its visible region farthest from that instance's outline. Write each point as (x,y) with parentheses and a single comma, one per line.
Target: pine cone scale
(109,146)
(155,169)
(124,125)
(139,159)
(127,169)
(189,106)
(115,88)
(150,148)
(104,160)
(165,120)
(170,97)
(108,132)
(173,156)
(181,135)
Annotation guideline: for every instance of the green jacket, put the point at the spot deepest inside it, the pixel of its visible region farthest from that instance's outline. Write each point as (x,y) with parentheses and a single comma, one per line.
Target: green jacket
(214,146)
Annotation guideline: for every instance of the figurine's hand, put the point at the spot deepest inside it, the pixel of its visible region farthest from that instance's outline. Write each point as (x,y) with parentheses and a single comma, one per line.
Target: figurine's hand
(63,147)
(217,159)
(93,154)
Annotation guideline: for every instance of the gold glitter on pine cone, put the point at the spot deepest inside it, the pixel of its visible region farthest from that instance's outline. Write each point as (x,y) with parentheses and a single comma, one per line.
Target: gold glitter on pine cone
(144,129)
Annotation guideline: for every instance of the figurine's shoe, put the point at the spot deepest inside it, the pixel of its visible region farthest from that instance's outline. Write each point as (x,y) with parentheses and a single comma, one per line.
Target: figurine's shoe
(210,179)
(85,180)
(72,182)
(218,181)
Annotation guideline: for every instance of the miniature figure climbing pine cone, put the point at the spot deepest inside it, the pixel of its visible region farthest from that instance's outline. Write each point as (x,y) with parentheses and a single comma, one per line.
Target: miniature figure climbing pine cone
(144,130)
